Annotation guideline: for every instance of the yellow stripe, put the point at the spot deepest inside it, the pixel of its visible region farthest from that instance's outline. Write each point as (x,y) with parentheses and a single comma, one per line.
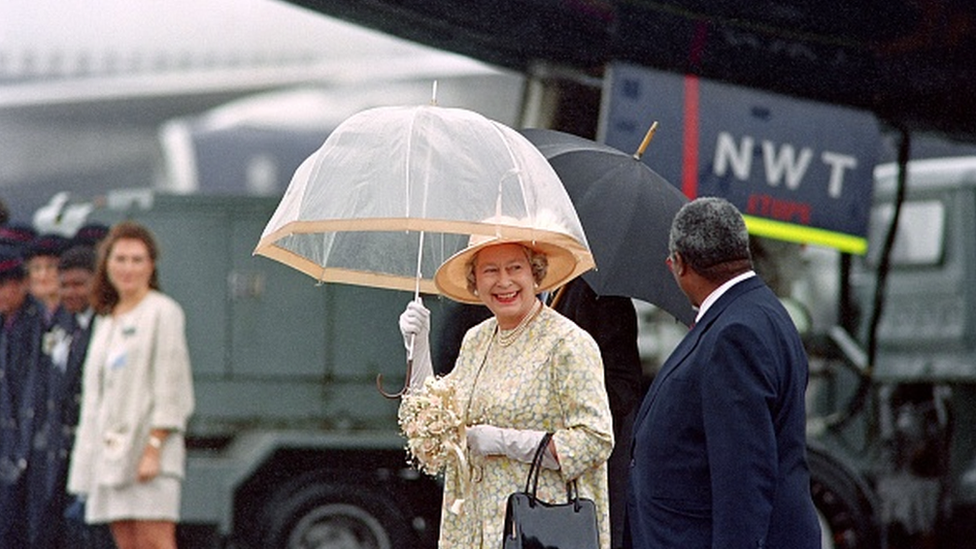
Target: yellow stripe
(808,235)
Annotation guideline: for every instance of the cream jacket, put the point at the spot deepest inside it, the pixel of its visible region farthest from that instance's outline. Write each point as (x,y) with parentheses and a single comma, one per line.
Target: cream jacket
(136,378)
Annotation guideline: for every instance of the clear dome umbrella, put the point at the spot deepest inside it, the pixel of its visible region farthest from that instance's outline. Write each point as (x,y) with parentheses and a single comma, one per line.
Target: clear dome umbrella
(395,191)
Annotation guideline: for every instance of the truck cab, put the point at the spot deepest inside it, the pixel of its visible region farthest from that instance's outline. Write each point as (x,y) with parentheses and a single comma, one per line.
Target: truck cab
(890,441)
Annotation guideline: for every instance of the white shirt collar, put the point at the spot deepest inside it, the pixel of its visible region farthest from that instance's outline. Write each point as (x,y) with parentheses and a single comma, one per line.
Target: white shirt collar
(717,293)
(84,318)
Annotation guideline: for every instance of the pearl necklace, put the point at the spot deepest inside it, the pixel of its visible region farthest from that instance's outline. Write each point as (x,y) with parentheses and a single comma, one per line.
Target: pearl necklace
(507,337)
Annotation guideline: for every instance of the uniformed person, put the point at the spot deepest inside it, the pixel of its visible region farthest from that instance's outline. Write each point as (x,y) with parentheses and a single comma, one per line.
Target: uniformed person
(63,353)
(21,330)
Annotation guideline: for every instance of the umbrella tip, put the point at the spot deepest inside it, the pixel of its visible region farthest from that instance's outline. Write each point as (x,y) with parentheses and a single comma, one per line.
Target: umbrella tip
(433,94)
(646,141)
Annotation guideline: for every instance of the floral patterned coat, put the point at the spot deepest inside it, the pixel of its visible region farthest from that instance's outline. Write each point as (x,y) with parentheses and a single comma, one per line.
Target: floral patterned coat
(549,379)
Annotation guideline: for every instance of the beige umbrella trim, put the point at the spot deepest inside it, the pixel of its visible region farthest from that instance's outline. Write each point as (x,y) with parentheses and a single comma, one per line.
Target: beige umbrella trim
(268,247)
(390,224)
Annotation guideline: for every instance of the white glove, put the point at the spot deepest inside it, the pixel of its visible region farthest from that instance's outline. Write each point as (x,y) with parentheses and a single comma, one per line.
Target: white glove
(518,444)
(415,328)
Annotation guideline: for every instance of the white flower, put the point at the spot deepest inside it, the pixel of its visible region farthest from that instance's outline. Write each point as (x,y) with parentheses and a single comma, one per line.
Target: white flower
(431,421)
(56,344)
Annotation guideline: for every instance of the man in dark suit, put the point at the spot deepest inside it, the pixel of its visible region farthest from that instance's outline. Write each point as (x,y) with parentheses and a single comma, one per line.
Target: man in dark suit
(719,446)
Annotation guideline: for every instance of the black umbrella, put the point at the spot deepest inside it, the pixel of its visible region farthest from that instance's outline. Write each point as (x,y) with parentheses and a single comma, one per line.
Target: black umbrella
(626,211)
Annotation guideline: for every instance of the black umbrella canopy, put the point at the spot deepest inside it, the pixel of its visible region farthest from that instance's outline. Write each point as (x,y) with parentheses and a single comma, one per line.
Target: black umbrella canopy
(626,210)
(912,63)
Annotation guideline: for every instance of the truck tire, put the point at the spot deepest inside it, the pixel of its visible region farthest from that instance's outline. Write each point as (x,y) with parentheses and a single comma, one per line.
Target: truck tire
(326,515)
(846,517)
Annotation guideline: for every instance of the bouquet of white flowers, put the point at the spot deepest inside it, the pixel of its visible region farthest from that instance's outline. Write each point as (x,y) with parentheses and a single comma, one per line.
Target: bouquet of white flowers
(431,420)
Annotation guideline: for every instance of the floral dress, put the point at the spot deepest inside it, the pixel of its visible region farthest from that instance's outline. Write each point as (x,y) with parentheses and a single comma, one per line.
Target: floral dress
(549,379)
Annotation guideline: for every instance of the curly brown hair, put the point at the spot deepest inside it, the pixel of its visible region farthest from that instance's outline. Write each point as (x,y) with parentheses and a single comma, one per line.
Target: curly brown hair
(104,295)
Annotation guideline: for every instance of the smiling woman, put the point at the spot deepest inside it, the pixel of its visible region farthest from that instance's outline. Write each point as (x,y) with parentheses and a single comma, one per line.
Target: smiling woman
(506,278)
(128,461)
(525,372)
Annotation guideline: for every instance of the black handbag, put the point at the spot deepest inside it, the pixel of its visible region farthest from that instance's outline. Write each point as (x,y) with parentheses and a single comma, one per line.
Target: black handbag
(534,524)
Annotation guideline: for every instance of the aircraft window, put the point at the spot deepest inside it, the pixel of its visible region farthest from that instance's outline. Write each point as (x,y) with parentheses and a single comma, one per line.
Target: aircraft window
(920,240)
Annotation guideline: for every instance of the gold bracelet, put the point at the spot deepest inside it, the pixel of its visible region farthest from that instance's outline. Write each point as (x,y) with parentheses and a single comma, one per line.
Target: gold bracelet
(155,442)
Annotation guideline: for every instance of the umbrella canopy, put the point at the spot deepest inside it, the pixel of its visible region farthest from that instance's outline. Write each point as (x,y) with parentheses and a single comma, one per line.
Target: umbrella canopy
(395,191)
(626,210)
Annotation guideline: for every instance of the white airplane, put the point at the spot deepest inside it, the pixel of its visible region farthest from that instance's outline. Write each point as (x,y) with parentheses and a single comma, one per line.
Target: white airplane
(85,85)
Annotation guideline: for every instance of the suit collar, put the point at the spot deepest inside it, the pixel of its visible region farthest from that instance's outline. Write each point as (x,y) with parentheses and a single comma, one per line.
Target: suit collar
(717,293)
(728,295)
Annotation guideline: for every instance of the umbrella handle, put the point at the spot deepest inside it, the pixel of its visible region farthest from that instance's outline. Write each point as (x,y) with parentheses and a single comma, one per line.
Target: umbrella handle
(406,382)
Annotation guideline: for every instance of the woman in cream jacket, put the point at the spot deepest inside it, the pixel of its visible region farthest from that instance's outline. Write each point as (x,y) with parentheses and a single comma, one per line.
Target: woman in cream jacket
(129,455)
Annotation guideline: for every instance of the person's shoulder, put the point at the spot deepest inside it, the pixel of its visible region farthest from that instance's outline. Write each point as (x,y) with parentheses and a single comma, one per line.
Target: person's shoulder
(163,302)
(759,315)
(481,330)
(756,299)
(561,327)
(558,320)
(742,298)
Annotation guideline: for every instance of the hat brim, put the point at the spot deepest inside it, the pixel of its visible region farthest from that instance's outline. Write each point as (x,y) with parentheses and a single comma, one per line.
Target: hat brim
(564,265)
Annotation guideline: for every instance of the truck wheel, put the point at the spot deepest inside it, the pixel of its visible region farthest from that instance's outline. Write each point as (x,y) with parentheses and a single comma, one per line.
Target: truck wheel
(327,516)
(846,519)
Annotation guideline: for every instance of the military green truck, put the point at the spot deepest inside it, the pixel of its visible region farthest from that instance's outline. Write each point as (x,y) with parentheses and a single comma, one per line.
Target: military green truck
(892,443)
(291,444)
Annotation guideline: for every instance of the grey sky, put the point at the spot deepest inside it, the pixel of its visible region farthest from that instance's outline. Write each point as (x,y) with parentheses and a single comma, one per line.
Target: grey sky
(44,38)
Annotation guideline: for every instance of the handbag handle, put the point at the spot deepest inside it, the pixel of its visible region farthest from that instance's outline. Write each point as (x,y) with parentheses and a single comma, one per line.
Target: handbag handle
(572,491)
(533,478)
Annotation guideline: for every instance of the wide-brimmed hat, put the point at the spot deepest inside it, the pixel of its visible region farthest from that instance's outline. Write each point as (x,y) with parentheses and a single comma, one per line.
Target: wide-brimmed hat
(451,276)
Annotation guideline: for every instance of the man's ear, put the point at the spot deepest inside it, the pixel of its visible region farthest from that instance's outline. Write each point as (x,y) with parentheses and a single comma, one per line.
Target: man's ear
(678,263)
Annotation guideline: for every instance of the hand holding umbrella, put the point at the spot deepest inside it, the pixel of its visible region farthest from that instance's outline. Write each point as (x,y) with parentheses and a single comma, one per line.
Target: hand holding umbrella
(415,325)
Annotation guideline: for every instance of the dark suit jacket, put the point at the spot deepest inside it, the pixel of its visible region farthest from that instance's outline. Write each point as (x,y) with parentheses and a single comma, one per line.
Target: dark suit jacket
(47,475)
(20,385)
(719,447)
